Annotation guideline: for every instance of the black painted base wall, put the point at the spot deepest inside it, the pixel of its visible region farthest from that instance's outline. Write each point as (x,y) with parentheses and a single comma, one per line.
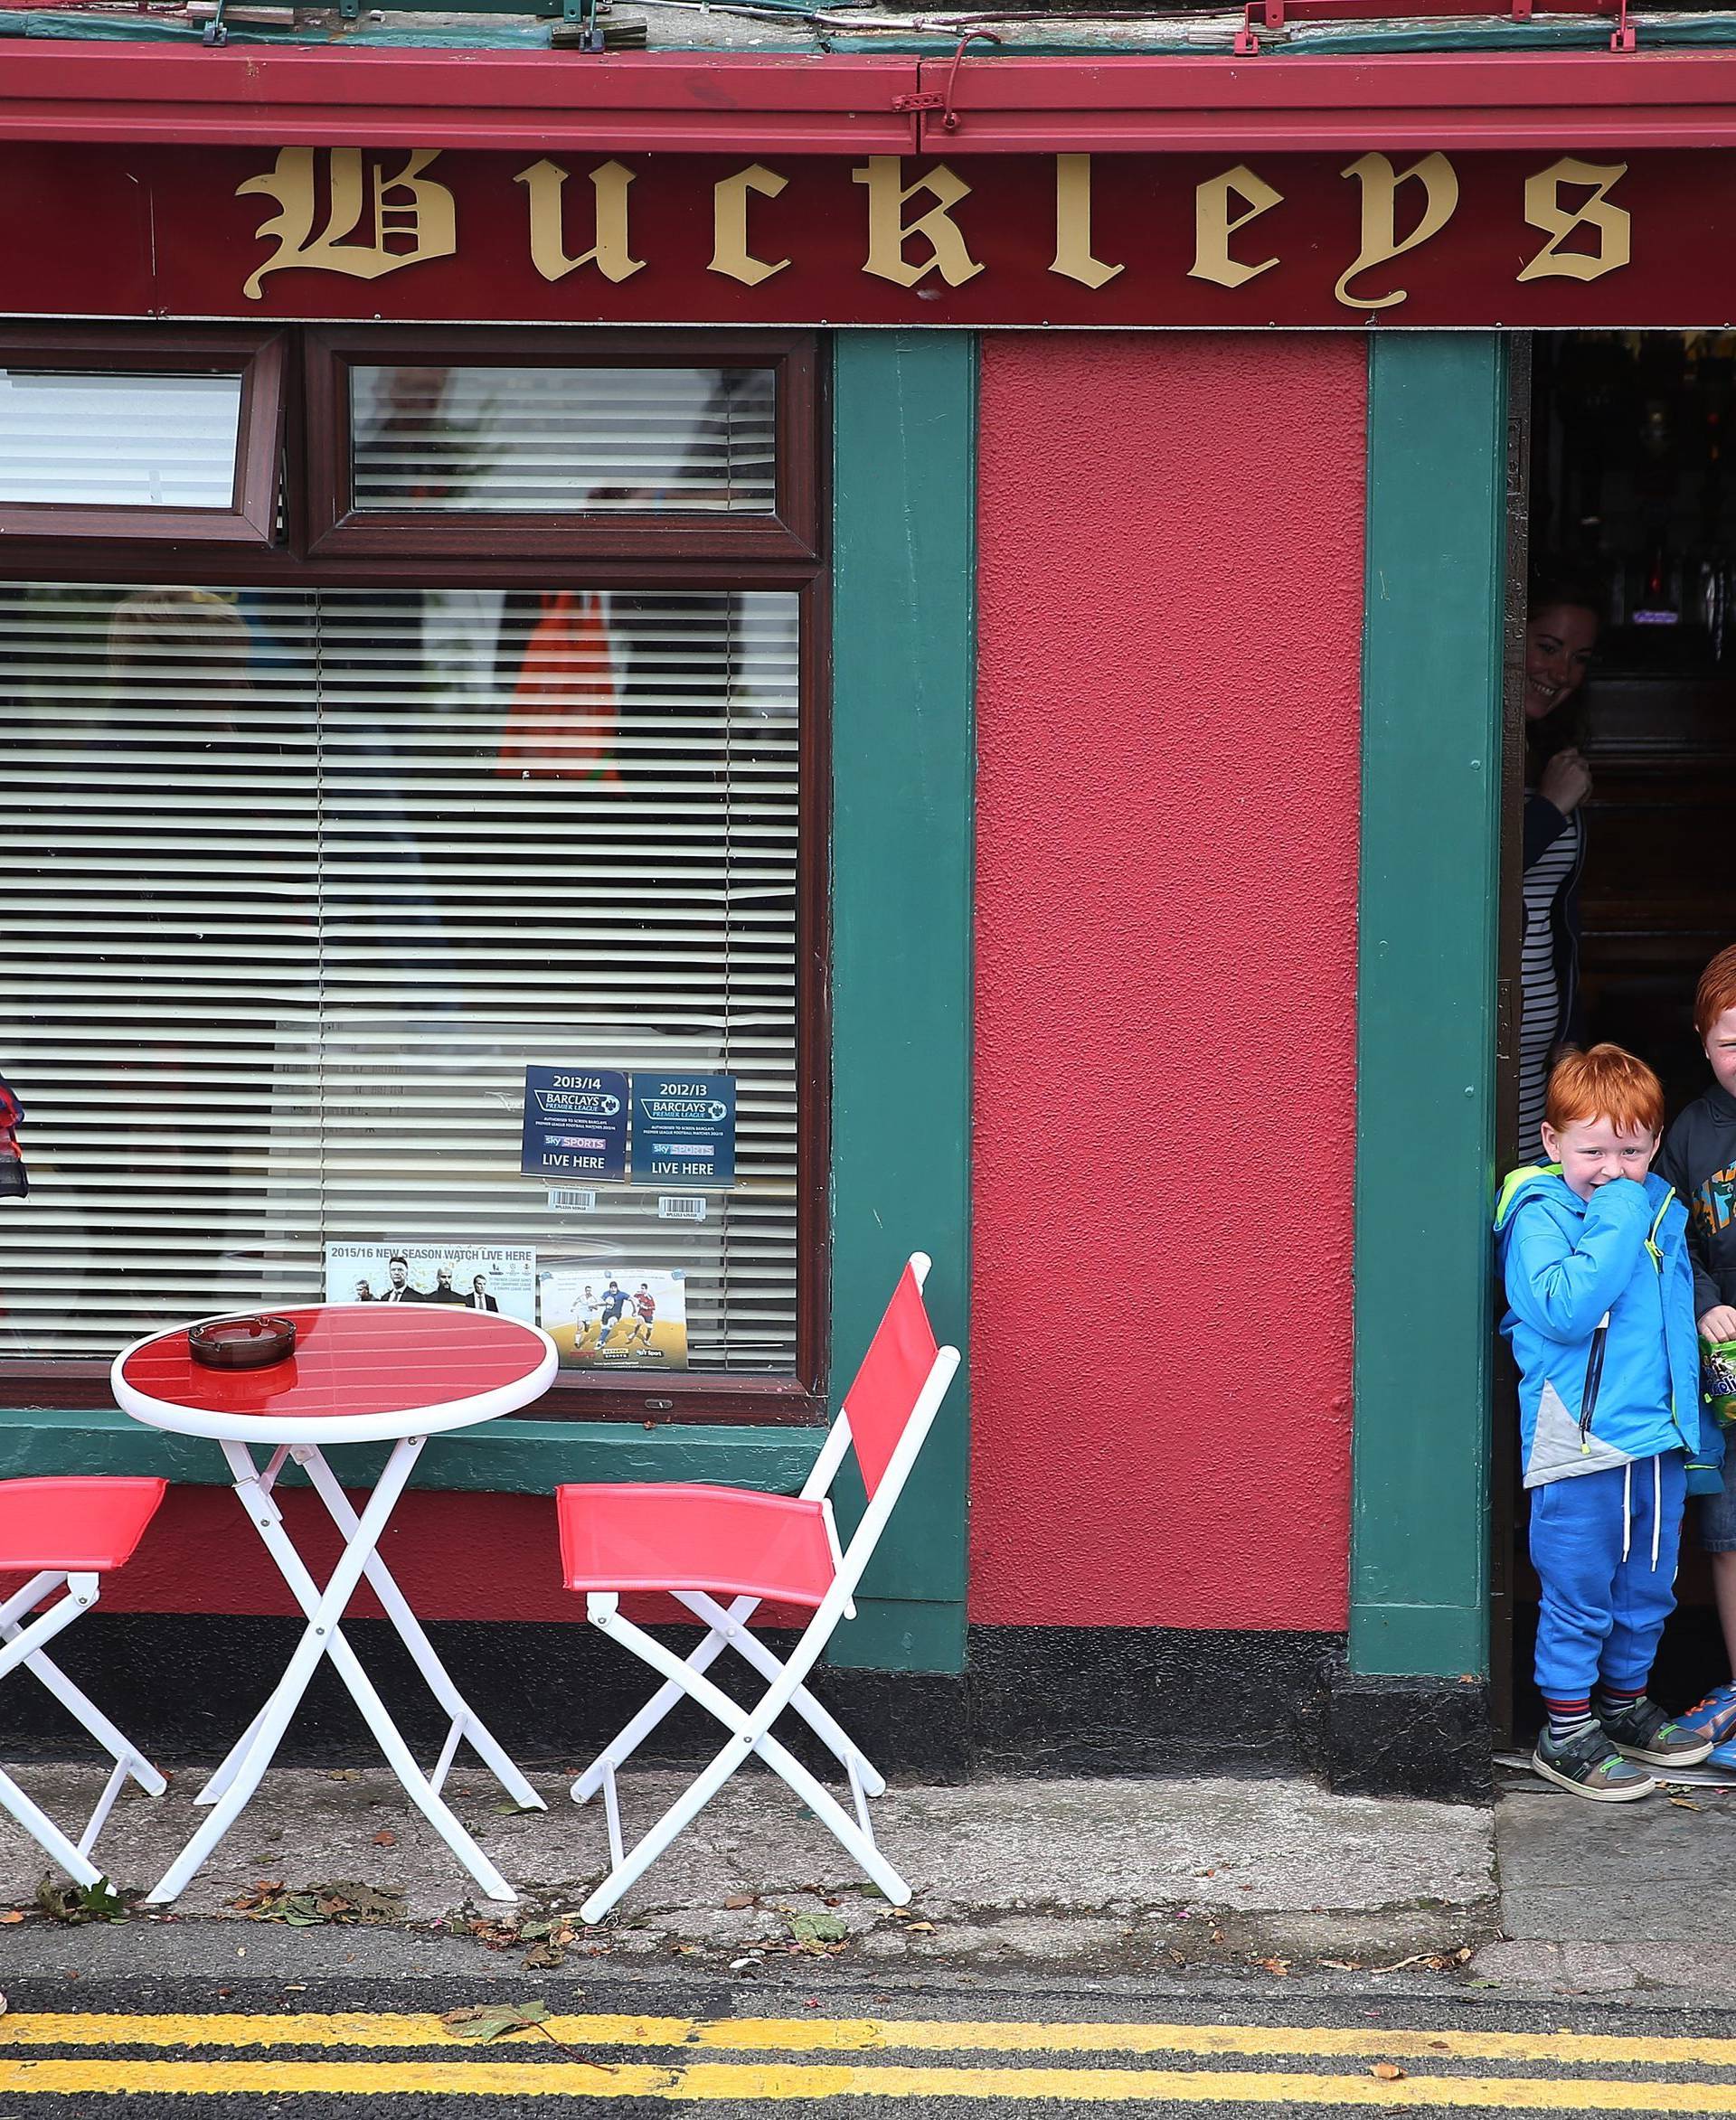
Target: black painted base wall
(1061,1701)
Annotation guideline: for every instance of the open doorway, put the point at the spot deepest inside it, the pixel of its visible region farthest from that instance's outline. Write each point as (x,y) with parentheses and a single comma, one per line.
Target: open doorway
(1624,487)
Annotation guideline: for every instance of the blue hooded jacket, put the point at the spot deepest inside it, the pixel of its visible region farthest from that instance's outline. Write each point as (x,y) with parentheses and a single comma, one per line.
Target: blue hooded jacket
(1602,1327)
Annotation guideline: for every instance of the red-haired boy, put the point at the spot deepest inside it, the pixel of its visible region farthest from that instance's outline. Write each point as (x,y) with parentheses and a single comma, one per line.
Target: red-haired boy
(1699,1159)
(1593,1250)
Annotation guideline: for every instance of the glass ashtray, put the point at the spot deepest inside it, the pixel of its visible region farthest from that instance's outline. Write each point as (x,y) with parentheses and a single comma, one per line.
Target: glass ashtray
(242,1343)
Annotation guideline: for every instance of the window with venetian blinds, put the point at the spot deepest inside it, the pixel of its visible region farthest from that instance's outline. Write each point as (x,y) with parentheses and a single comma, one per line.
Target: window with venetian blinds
(297,879)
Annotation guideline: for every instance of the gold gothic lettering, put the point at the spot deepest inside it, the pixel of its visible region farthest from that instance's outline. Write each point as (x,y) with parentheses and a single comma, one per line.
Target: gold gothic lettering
(889,231)
(730,251)
(1543,209)
(414,217)
(610,253)
(1214,225)
(1381,240)
(1073,257)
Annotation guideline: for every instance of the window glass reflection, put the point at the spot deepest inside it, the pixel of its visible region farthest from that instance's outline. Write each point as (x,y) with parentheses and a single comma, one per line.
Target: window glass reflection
(565,441)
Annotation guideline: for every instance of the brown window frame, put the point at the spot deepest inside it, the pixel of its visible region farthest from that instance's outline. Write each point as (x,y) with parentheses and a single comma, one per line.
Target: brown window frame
(250,518)
(335,526)
(686,557)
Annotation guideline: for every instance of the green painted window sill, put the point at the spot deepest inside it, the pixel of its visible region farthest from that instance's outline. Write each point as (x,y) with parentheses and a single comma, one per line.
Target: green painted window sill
(500,1457)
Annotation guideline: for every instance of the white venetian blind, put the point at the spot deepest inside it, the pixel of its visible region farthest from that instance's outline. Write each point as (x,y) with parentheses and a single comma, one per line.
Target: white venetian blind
(115,440)
(298,881)
(555,440)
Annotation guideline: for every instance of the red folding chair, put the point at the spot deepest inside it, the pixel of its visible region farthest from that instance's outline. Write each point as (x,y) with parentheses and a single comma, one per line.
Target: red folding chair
(703,1544)
(69,1532)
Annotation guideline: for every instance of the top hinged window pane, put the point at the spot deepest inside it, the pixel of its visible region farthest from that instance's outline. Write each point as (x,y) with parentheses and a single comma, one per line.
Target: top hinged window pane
(93,441)
(565,441)
(622,449)
(124,433)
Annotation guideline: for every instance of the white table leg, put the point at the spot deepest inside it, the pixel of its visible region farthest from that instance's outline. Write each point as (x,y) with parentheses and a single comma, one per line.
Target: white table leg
(466,1723)
(247,1480)
(322,1638)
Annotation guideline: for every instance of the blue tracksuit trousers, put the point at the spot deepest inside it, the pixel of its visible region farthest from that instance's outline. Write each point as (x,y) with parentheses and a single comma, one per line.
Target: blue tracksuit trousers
(1605,1547)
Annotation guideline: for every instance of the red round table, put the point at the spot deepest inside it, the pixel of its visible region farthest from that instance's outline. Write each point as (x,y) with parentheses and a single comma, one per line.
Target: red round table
(361,1373)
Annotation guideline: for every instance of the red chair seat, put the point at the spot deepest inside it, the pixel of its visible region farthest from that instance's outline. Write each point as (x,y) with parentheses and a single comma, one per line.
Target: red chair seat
(725,1540)
(75,1526)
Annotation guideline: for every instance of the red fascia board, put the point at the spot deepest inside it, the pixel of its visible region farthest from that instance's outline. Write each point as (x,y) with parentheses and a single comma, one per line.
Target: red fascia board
(729,103)
(1278,103)
(543,101)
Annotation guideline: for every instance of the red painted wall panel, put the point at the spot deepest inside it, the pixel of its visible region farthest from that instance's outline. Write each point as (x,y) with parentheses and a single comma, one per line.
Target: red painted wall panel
(1170,542)
(455,1555)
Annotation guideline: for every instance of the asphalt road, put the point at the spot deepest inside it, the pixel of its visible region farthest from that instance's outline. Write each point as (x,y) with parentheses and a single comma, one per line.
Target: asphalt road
(382,2050)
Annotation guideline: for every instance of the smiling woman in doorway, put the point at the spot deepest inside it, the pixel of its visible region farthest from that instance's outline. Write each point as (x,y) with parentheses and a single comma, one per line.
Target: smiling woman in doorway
(1561,634)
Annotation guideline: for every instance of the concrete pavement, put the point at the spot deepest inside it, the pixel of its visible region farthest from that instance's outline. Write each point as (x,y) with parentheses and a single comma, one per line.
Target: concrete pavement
(1115,1877)
(1610,1898)
(1126,1885)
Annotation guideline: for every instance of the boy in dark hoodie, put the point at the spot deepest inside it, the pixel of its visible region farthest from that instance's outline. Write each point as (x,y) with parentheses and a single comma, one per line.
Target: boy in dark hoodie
(1699,1159)
(1594,1251)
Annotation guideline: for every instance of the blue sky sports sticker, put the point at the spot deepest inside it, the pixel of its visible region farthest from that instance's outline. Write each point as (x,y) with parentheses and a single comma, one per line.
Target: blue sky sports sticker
(683,1129)
(575,1124)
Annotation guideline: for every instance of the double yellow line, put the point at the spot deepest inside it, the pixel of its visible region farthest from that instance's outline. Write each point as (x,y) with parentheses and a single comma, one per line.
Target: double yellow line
(785,2068)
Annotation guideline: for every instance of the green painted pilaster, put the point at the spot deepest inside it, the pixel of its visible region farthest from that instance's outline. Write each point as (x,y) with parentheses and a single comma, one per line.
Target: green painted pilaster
(904,424)
(1426,999)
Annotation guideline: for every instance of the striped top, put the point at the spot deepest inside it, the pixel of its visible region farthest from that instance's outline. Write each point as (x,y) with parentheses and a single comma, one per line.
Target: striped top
(1540,992)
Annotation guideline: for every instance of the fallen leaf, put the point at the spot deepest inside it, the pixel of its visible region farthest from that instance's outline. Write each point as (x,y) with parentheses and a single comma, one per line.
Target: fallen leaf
(486,2020)
(921,1929)
(1684,1804)
(1280,1968)
(822,1928)
(385,1838)
(542,1956)
(1388,2071)
(737,1901)
(79,1903)
(344,1774)
(343,1903)
(8,1918)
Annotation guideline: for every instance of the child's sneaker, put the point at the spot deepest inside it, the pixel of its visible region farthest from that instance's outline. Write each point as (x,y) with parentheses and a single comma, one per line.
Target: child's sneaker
(1642,1730)
(1588,1765)
(1722,1756)
(1714,1717)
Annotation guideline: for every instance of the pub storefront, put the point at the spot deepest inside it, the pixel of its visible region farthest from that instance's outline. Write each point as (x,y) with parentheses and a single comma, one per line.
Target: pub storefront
(963,609)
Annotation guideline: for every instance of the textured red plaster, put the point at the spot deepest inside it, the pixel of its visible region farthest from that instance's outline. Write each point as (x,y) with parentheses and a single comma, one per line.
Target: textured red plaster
(1170,542)
(455,1555)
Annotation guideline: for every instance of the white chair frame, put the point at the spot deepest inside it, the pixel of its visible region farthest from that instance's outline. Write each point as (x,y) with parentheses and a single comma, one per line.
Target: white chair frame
(751,1728)
(23,1640)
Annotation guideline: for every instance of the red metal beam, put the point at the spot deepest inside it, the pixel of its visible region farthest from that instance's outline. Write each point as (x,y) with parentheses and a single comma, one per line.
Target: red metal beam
(1275,103)
(678,103)
(698,103)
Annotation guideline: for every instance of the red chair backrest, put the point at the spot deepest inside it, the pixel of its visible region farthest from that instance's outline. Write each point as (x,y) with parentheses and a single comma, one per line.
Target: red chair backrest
(893,1371)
